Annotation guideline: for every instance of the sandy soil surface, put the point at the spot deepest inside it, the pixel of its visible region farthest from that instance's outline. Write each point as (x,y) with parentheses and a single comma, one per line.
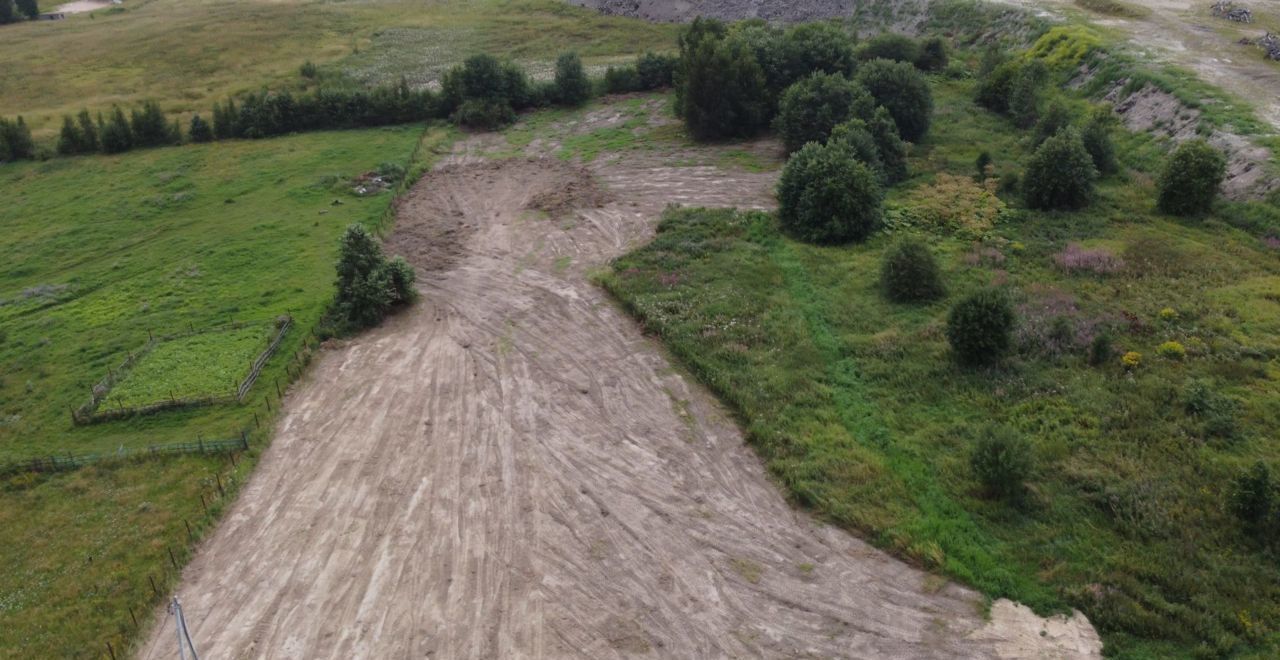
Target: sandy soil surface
(82,6)
(511,469)
(686,10)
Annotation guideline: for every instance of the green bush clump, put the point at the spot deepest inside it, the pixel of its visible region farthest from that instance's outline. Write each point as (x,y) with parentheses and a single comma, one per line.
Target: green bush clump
(979,327)
(856,137)
(1025,94)
(1215,412)
(1002,462)
(993,90)
(810,108)
(826,195)
(809,47)
(1060,174)
(621,79)
(889,144)
(903,91)
(890,46)
(720,87)
(1251,499)
(1096,136)
(1190,179)
(933,55)
(484,92)
(655,71)
(368,285)
(571,85)
(909,273)
(200,130)
(1055,118)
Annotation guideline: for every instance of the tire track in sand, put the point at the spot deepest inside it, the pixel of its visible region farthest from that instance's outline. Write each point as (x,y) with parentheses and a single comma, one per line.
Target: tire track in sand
(510,469)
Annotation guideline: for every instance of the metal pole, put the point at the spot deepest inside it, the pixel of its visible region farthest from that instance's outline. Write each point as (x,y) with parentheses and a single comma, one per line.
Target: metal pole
(182,621)
(177,623)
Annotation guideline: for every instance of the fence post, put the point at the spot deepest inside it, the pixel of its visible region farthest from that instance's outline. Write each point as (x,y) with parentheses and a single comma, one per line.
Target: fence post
(278,389)
(221,492)
(190,538)
(267,399)
(244,440)
(204,506)
(111,651)
(256,423)
(134,618)
(153,584)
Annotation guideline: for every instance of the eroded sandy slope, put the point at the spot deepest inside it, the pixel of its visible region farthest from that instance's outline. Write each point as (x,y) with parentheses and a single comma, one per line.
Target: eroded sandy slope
(510,469)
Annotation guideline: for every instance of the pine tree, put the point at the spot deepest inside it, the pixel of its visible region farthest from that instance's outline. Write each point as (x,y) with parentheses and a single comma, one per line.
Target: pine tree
(115,134)
(149,126)
(31,8)
(19,139)
(70,141)
(88,133)
(8,14)
(200,131)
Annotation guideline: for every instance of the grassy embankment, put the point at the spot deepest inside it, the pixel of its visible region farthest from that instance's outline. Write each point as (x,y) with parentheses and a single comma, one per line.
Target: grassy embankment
(861,414)
(187,54)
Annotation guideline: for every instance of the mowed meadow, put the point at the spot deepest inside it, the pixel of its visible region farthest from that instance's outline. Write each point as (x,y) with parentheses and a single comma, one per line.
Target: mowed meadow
(187,54)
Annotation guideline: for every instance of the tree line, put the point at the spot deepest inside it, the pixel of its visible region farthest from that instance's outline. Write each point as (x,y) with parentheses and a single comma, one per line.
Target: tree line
(482,92)
(13,11)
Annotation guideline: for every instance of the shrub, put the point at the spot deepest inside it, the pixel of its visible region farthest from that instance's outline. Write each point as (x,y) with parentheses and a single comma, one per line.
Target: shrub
(1060,174)
(1096,136)
(813,106)
(1024,94)
(1056,117)
(1251,498)
(1002,462)
(1101,350)
(993,90)
(890,46)
(571,85)
(1171,350)
(655,71)
(982,167)
(854,136)
(1190,179)
(308,70)
(149,126)
(485,114)
(721,90)
(401,276)
(909,273)
(364,287)
(200,130)
(825,195)
(88,132)
(933,55)
(1131,360)
(115,134)
(809,47)
(979,327)
(621,79)
(485,78)
(903,91)
(15,140)
(1051,324)
(1217,413)
(1078,259)
(893,151)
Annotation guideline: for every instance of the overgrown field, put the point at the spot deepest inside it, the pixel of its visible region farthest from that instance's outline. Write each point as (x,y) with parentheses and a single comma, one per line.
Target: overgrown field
(186,54)
(861,413)
(207,364)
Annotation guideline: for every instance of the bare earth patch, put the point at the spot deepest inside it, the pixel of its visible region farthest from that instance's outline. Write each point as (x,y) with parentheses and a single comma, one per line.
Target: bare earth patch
(511,469)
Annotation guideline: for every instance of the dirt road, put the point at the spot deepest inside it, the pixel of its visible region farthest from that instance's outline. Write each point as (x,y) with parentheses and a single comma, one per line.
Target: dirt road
(510,469)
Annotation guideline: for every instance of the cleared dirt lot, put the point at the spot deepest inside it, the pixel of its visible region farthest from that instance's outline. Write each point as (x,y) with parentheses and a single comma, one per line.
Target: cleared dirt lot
(510,469)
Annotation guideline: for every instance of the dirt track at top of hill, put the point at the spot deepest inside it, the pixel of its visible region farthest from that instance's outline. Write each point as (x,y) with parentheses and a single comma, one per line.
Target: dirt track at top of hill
(511,469)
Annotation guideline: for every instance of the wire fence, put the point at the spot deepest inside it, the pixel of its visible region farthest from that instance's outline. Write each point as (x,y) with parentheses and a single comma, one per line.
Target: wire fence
(93,412)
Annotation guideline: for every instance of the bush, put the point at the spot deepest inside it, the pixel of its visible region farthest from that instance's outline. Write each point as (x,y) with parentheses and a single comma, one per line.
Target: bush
(813,106)
(655,71)
(364,287)
(1024,94)
(571,85)
(855,136)
(909,273)
(401,276)
(1101,350)
(308,70)
(933,55)
(1216,413)
(1251,498)
(903,91)
(1002,462)
(979,327)
(1190,179)
(1096,136)
(721,89)
(893,151)
(809,47)
(958,204)
(993,90)
(15,140)
(825,195)
(622,79)
(486,78)
(890,46)
(1060,174)
(200,130)
(485,114)
(1172,350)
(1055,118)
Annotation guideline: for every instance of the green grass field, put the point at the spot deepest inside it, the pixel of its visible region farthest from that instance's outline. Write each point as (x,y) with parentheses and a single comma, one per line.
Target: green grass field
(861,414)
(186,54)
(207,364)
